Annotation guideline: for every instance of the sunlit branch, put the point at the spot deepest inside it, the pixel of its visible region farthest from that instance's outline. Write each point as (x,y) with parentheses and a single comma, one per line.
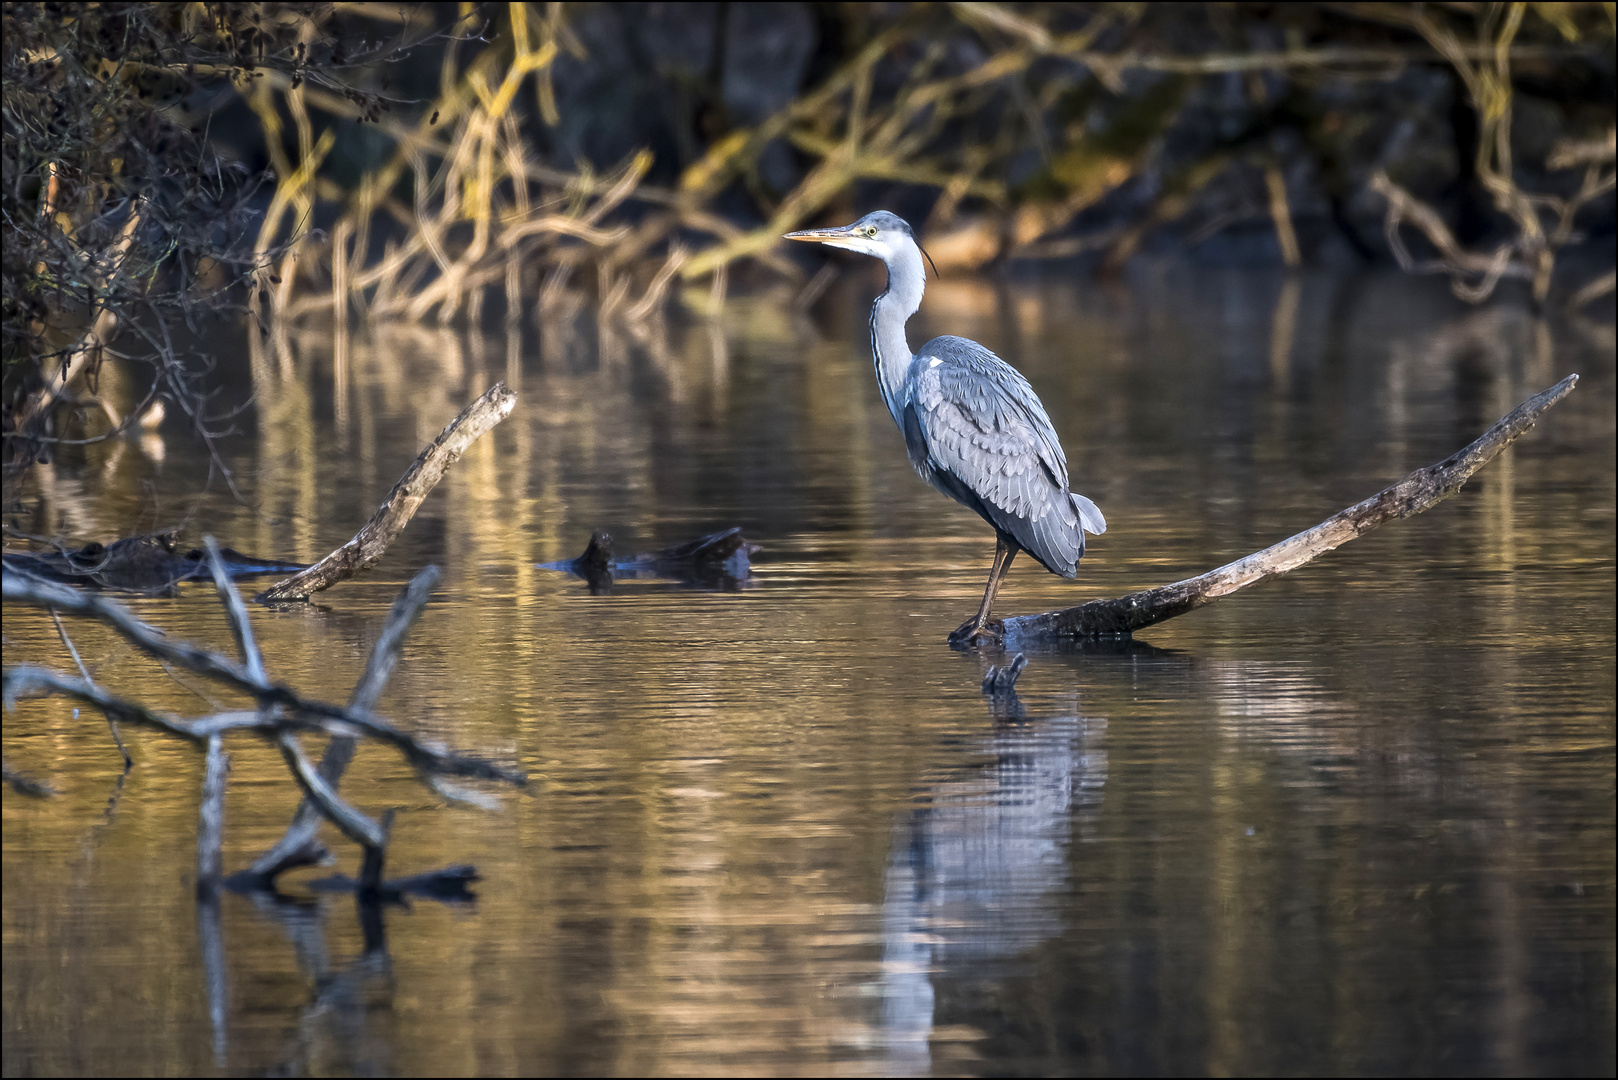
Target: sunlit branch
(1421,490)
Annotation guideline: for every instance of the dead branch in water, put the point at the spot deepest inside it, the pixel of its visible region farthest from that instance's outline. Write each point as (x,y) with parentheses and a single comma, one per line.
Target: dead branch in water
(301,713)
(280,715)
(300,845)
(367,546)
(1419,491)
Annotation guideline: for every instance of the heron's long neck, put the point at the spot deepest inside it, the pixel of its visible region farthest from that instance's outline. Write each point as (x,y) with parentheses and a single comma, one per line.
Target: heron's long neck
(889,314)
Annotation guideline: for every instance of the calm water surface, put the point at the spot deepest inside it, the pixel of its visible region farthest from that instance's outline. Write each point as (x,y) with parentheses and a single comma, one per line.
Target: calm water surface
(1358,820)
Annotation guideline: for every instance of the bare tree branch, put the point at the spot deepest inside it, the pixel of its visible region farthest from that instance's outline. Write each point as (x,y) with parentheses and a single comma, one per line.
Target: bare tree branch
(301,713)
(1419,491)
(400,506)
(299,846)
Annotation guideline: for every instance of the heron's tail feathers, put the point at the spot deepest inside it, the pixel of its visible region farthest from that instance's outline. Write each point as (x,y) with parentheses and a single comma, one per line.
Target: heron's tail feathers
(1089,514)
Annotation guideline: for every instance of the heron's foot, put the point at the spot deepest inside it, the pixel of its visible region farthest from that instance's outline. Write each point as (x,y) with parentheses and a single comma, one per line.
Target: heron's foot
(972,634)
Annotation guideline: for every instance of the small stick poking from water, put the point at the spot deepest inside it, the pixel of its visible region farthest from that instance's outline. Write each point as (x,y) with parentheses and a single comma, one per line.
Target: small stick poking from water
(1419,491)
(73,651)
(211,819)
(1003,680)
(368,545)
(211,824)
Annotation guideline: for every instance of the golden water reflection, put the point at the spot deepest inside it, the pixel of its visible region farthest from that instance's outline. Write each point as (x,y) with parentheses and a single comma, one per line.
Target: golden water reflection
(1357,820)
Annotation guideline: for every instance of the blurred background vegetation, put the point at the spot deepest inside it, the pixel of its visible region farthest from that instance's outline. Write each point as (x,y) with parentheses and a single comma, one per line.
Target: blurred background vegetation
(165,162)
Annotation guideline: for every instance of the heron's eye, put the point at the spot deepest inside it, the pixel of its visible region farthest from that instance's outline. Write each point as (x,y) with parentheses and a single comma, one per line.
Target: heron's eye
(870,230)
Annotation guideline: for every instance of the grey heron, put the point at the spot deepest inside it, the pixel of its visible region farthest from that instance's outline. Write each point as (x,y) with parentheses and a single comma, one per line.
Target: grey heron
(973,427)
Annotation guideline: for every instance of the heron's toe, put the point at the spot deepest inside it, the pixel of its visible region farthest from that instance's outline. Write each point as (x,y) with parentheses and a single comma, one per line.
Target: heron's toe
(971,635)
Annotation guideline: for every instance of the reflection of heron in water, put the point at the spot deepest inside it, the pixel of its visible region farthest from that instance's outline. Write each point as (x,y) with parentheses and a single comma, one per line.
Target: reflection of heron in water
(980,862)
(972,425)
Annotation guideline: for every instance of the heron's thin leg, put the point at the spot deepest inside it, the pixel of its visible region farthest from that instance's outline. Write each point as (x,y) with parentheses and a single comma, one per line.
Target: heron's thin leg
(1004,552)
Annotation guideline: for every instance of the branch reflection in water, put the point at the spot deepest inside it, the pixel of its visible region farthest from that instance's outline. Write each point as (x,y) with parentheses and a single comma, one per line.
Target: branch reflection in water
(334,1032)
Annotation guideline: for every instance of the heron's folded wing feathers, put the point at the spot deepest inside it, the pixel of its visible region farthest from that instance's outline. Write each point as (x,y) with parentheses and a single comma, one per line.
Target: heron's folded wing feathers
(984,425)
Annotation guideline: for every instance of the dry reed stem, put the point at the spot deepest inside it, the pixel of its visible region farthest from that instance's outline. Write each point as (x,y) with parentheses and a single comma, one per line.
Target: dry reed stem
(1453,260)
(475,216)
(89,347)
(1600,287)
(1485,69)
(1281,215)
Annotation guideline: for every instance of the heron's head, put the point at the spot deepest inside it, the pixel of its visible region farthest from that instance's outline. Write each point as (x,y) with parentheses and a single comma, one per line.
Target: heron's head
(878,233)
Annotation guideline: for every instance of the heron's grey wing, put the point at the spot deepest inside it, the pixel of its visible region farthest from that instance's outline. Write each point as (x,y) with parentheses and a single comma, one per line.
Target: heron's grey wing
(968,365)
(987,432)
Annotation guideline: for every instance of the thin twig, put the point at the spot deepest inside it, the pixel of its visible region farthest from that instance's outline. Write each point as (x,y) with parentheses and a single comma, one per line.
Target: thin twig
(112,724)
(241,627)
(301,713)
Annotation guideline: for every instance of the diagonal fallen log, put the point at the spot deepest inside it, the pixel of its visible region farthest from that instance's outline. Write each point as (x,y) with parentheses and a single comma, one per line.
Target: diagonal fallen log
(400,506)
(1422,489)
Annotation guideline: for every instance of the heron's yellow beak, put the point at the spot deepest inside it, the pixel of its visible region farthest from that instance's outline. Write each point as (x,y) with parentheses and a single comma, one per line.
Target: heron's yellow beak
(838,237)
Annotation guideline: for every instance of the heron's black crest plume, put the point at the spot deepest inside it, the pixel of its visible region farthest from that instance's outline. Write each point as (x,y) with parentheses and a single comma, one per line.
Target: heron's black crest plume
(929,259)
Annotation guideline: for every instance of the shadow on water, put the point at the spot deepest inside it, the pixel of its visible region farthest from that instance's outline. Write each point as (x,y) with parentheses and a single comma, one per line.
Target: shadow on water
(1038,913)
(333,1029)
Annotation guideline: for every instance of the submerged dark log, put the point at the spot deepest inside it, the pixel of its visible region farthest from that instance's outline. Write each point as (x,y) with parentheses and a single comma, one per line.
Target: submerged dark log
(1419,491)
(716,558)
(418,481)
(595,565)
(597,557)
(149,564)
(722,554)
